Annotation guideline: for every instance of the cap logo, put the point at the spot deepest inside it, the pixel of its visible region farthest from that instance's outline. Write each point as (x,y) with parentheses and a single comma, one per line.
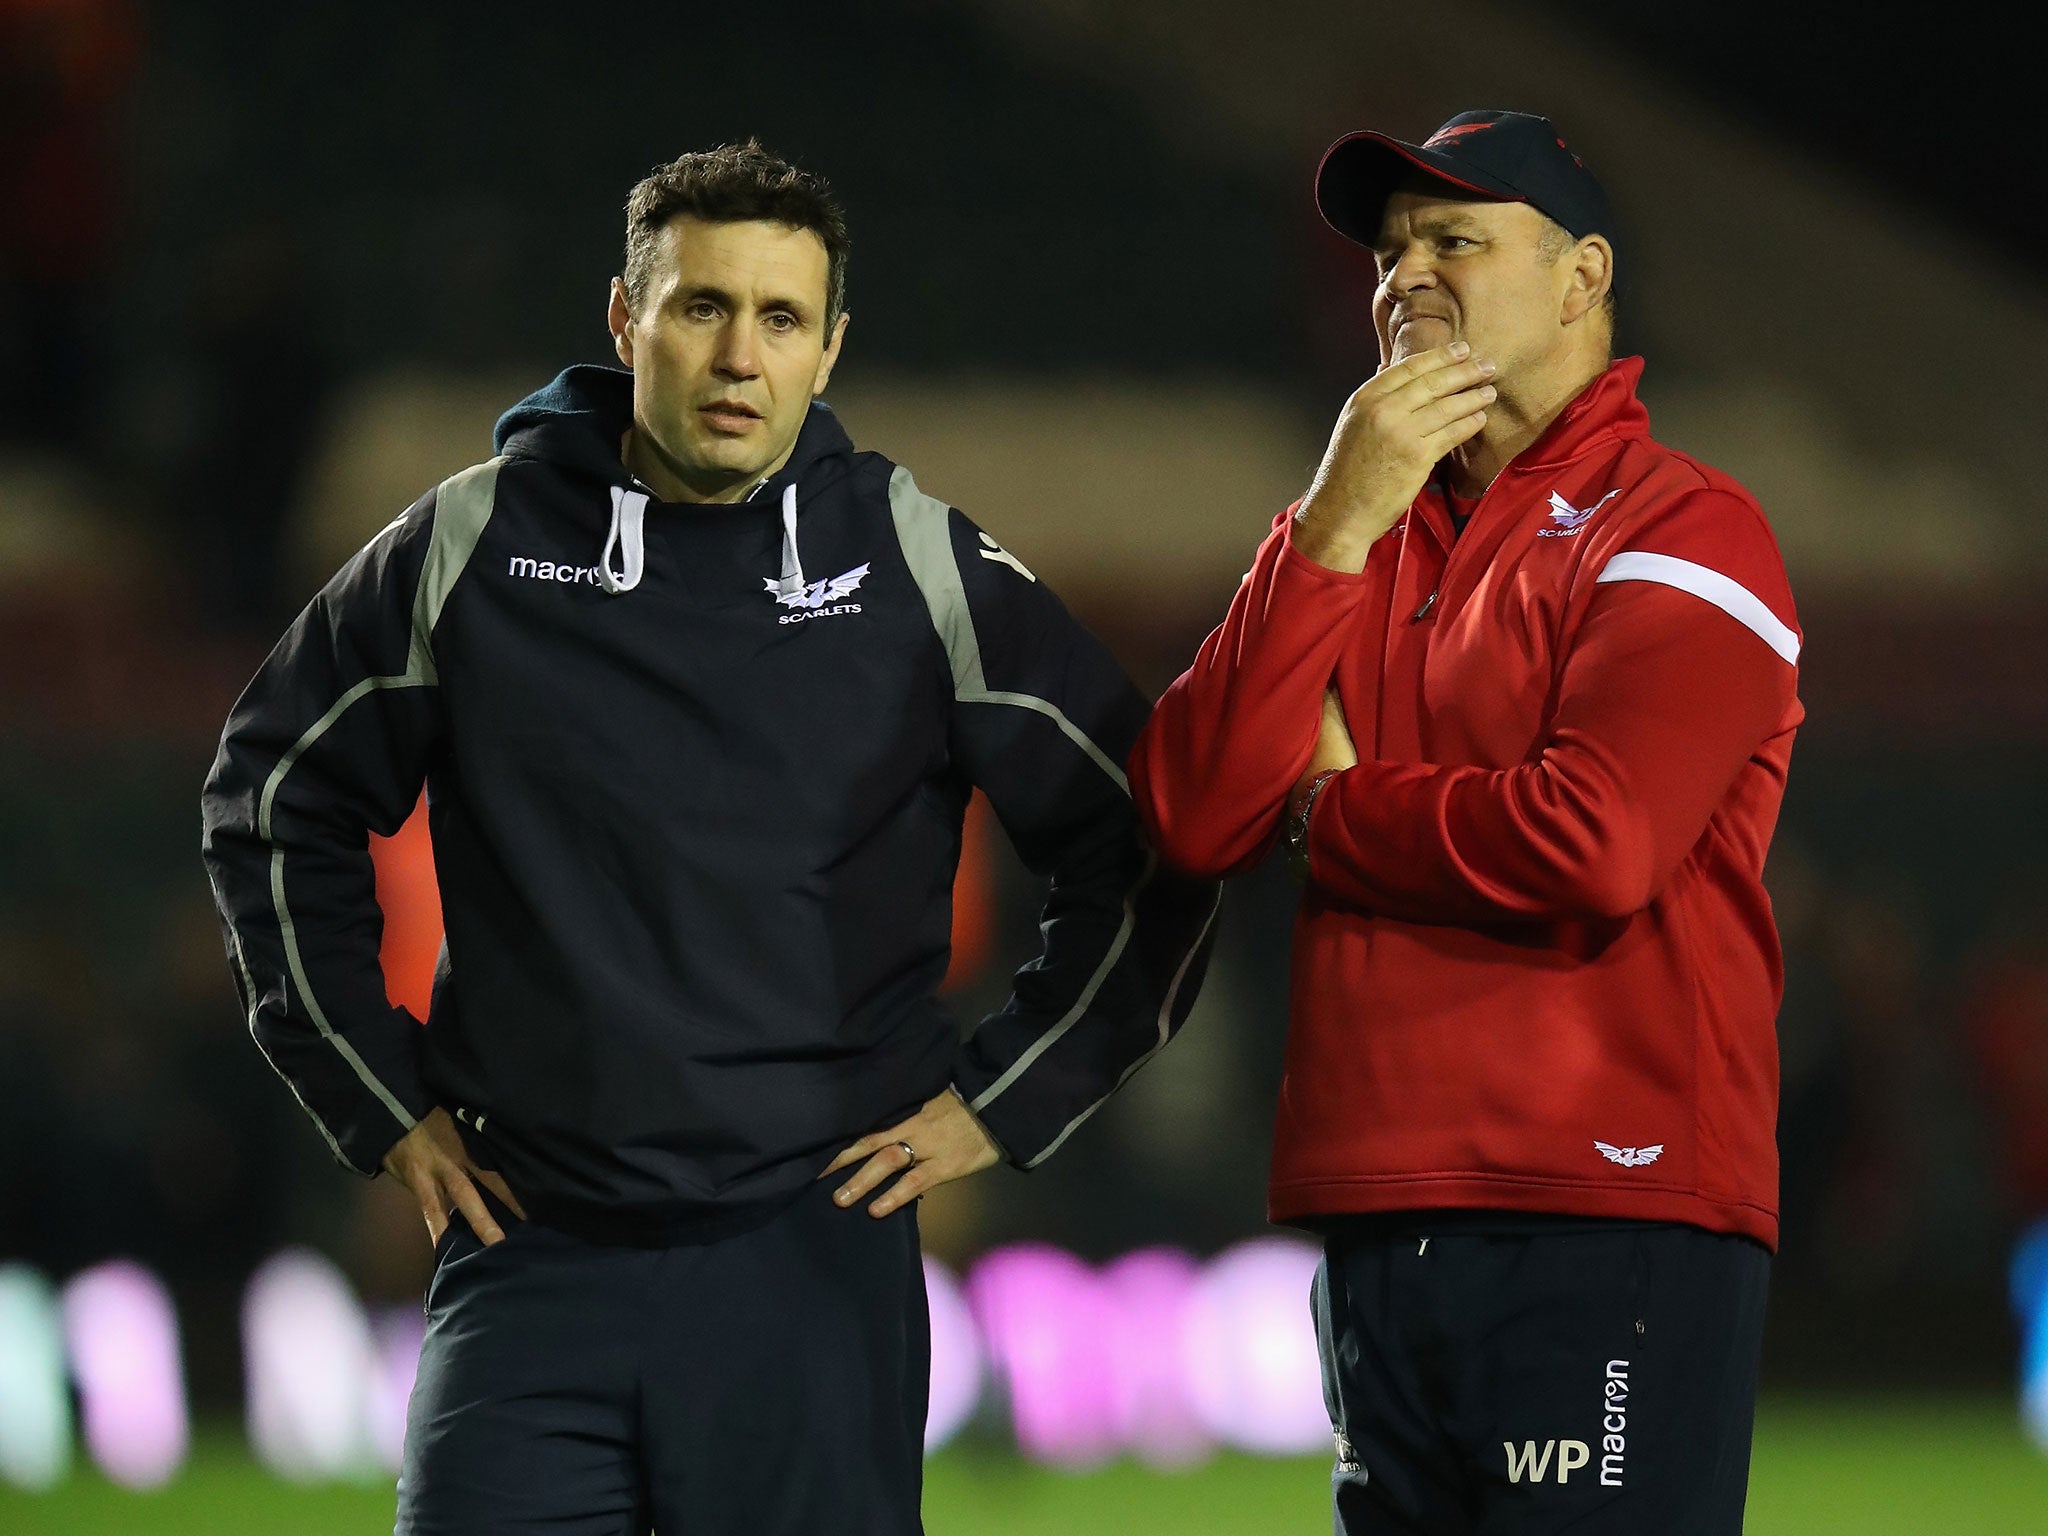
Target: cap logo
(1449,135)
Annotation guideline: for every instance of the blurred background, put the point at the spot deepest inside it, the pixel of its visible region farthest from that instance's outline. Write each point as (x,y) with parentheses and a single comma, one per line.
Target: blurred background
(266,273)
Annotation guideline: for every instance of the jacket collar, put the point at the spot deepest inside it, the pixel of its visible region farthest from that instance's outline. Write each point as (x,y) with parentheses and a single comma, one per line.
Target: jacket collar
(1605,411)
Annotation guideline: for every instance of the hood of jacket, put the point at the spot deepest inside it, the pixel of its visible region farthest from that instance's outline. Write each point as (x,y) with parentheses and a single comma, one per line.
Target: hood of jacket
(578,421)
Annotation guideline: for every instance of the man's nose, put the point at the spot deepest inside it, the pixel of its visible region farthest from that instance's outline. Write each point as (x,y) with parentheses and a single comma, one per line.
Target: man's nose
(1412,270)
(738,357)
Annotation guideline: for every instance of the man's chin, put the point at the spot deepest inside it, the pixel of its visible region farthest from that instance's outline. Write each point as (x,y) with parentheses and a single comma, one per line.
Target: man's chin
(715,456)
(725,457)
(709,466)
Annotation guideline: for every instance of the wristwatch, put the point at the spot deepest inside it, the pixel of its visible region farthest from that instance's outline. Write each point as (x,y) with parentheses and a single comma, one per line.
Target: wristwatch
(1297,824)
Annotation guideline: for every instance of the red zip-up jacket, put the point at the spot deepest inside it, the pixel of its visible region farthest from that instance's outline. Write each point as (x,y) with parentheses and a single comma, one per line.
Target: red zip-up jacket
(1535,969)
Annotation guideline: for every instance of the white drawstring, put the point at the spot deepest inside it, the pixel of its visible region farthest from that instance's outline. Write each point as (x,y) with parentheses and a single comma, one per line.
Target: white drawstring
(628,535)
(790,584)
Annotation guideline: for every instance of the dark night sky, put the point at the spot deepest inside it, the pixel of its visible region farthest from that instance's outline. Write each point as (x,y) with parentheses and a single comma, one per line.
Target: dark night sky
(1930,113)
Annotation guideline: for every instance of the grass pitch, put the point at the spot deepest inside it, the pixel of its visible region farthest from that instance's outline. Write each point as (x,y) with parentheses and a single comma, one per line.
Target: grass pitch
(1845,1467)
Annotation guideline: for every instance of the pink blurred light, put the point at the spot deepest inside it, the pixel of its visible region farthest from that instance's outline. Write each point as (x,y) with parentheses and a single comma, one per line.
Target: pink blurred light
(122,1335)
(1147,1294)
(308,1360)
(1157,1354)
(1044,1320)
(956,1357)
(1250,1349)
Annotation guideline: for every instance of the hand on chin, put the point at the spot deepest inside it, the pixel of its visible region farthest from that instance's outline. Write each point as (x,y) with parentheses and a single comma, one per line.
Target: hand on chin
(1417,334)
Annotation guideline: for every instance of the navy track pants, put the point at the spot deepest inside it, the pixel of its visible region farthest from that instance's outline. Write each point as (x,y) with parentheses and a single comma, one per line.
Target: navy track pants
(769,1383)
(1507,1376)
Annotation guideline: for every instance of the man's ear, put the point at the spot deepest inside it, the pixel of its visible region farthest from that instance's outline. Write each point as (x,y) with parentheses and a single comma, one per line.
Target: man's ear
(831,357)
(619,318)
(1592,275)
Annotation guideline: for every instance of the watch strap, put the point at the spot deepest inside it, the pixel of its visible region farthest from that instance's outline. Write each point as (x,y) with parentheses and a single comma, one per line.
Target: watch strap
(1297,826)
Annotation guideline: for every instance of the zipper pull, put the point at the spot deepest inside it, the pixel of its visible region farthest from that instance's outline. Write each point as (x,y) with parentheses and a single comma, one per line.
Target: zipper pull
(1422,613)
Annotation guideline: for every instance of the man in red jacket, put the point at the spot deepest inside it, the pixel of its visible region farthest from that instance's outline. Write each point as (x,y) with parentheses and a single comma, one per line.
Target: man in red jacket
(1517,686)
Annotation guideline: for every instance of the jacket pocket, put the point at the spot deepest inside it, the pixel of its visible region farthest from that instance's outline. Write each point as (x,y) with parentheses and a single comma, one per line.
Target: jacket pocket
(456,1229)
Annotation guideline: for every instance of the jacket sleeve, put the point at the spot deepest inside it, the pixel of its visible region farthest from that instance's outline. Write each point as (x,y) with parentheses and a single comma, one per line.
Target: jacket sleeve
(1223,749)
(1042,720)
(1684,664)
(329,743)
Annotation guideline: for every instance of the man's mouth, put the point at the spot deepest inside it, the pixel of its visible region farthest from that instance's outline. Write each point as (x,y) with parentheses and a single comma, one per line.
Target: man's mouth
(731,415)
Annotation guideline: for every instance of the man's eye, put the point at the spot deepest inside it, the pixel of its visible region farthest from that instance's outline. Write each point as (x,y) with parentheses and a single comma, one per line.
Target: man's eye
(702,309)
(781,322)
(1453,242)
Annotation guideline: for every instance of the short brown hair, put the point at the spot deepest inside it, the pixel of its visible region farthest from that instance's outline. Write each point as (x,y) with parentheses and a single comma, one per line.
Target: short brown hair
(735,183)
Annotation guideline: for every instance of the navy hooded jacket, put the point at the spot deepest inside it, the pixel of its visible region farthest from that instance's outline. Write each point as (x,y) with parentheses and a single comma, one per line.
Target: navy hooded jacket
(695,778)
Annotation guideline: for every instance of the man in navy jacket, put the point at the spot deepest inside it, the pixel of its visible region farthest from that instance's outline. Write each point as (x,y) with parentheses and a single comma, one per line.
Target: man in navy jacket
(699,694)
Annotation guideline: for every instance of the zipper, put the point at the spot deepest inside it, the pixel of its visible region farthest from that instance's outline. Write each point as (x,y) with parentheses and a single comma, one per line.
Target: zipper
(1444,550)
(1450,550)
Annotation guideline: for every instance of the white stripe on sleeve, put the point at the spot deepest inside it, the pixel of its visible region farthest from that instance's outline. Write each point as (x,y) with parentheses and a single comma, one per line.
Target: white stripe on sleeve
(1725,593)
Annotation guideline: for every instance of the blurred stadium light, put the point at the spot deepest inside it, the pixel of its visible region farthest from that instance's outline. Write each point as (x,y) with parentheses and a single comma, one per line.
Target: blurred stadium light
(1156,1418)
(311,1365)
(1043,1313)
(2030,1303)
(1155,1355)
(958,1360)
(35,1399)
(122,1336)
(1250,1351)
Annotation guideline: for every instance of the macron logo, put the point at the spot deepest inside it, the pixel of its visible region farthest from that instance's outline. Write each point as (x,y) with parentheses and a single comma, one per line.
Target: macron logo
(1614,1443)
(547,570)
